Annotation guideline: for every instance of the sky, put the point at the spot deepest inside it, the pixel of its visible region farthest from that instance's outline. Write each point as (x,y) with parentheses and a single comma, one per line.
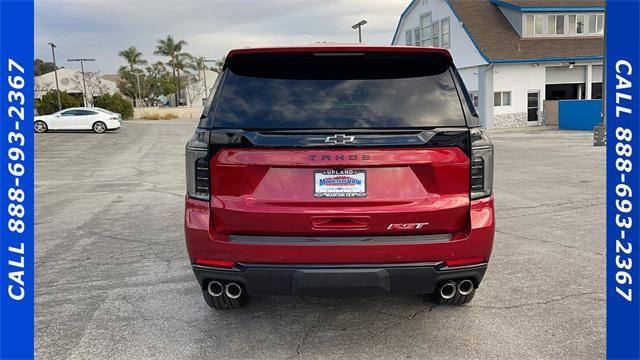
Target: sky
(100,28)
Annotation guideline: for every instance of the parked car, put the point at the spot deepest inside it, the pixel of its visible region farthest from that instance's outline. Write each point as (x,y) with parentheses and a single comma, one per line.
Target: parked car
(339,171)
(97,119)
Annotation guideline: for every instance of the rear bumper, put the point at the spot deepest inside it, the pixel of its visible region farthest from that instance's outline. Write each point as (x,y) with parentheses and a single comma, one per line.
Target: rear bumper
(203,243)
(339,280)
(113,124)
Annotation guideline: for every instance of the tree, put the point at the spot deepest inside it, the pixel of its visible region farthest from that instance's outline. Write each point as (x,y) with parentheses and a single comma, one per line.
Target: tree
(171,48)
(134,58)
(40,86)
(218,65)
(158,82)
(41,67)
(48,104)
(93,83)
(115,103)
(182,63)
(126,85)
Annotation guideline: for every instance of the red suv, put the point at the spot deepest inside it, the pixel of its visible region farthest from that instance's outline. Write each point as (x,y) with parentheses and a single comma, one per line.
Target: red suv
(339,171)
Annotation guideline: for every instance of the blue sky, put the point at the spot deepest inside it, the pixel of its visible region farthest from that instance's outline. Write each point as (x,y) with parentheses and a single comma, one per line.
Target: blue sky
(100,28)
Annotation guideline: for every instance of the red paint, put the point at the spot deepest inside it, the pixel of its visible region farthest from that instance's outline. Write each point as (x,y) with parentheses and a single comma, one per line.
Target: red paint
(270,192)
(464,262)
(214,263)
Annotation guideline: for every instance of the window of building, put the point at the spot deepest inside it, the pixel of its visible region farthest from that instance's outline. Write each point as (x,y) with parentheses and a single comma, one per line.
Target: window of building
(560,25)
(427,29)
(533,25)
(474,98)
(580,24)
(528,25)
(591,21)
(600,24)
(408,37)
(572,24)
(502,98)
(538,24)
(551,24)
(588,24)
(445,25)
(436,33)
(416,36)
(596,90)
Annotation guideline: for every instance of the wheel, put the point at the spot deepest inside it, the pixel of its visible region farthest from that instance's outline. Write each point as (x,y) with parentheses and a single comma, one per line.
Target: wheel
(40,126)
(223,301)
(99,127)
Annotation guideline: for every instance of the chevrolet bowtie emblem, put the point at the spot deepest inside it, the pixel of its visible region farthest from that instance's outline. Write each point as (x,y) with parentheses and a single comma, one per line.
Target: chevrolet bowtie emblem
(339,139)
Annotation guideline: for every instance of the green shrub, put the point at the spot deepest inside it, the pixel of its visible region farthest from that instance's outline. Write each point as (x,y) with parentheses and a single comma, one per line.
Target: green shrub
(48,104)
(115,103)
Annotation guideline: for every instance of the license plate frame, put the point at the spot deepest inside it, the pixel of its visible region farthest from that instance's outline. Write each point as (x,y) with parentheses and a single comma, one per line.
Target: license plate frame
(340,183)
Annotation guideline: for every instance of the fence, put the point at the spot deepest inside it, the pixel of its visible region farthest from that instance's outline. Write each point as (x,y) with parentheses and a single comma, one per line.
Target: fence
(579,114)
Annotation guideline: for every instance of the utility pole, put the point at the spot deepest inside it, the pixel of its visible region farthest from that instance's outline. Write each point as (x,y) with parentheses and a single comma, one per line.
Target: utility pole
(359,27)
(55,72)
(84,85)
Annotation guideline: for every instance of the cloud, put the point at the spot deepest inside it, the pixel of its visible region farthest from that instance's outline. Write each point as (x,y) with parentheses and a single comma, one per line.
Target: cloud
(101,28)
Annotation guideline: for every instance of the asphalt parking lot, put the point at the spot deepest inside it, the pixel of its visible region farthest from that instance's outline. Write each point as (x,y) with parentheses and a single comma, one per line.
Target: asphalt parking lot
(113,279)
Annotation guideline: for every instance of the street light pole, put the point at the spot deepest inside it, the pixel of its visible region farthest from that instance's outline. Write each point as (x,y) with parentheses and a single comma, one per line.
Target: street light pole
(359,27)
(55,72)
(84,85)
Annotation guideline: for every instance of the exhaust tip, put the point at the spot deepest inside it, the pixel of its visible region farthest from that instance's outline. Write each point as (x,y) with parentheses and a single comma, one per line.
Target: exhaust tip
(465,287)
(448,290)
(233,290)
(215,288)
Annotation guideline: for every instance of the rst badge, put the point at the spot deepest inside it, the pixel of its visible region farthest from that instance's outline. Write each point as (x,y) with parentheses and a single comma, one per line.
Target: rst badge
(340,183)
(411,226)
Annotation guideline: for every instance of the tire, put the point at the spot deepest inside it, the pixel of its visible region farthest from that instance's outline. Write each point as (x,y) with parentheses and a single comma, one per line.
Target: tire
(223,302)
(40,126)
(99,127)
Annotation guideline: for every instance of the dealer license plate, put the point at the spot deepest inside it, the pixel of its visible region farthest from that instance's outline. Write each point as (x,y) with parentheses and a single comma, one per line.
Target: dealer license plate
(340,183)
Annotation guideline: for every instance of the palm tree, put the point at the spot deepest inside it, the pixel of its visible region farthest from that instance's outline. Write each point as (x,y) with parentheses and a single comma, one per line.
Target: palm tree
(198,64)
(171,48)
(133,58)
(181,63)
(217,67)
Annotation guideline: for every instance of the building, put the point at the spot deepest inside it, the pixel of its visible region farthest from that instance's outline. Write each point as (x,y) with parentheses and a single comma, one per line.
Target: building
(514,54)
(71,81)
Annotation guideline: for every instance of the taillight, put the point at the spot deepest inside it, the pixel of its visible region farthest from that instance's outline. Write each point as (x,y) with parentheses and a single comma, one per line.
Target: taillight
(465,262)
(198,182)
(481,181)
(215,263)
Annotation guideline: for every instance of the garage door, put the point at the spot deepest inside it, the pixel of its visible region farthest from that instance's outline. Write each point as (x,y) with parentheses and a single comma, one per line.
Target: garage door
(564,75)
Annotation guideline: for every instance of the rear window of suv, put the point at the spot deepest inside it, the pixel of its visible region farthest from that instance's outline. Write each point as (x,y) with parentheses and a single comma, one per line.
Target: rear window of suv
(337,91)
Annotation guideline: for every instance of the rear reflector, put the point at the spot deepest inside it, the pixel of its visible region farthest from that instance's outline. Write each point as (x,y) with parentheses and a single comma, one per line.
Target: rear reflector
(463,262)
(215,263)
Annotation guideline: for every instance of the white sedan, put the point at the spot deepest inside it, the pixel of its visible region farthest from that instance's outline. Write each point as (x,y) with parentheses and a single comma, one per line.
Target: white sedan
(96,119)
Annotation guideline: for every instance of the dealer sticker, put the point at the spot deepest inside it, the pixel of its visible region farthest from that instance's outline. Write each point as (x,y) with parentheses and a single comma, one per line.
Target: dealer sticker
(340,183)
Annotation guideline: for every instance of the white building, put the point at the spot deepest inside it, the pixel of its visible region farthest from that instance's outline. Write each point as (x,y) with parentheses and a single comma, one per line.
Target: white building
(513,54)
(71,81)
